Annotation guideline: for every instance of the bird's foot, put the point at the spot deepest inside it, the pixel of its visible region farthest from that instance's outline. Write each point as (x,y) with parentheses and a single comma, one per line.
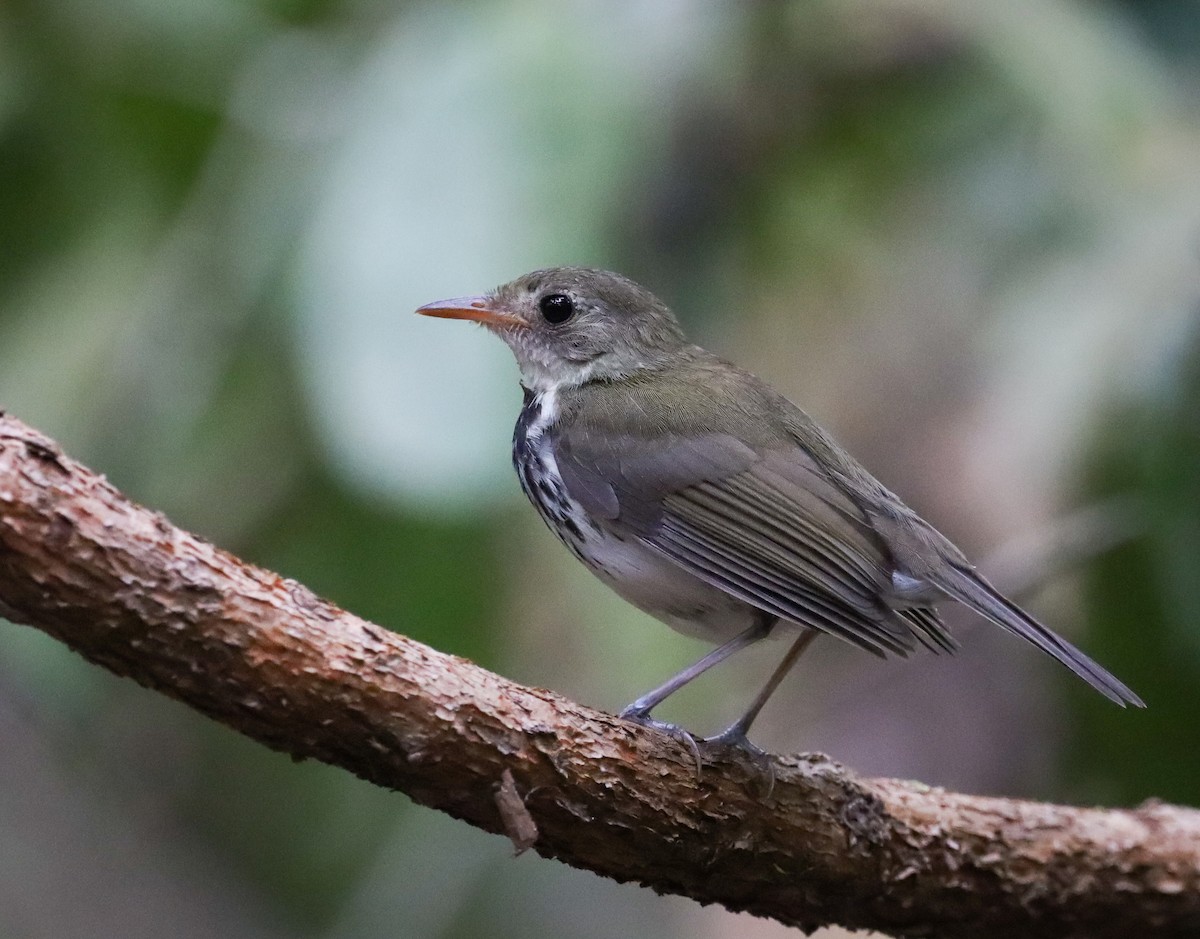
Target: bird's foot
(734,738)
(636,715)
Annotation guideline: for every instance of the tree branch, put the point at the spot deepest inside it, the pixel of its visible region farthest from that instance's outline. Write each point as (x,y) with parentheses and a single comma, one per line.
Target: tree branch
(264,655)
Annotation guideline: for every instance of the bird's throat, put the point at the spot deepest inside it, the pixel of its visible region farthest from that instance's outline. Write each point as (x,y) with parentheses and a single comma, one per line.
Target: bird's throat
(540,412)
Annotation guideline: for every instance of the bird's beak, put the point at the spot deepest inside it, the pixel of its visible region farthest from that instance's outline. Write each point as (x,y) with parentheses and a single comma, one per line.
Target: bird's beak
(480,309)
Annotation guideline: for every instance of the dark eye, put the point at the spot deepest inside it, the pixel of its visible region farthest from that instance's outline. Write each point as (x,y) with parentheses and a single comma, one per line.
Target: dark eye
(556,307)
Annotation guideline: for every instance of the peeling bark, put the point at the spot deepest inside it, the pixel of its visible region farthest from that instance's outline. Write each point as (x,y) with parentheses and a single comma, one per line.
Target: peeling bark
(265,656)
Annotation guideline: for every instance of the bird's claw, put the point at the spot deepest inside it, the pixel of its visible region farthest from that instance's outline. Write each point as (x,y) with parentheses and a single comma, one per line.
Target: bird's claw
(674,731)
(734,738)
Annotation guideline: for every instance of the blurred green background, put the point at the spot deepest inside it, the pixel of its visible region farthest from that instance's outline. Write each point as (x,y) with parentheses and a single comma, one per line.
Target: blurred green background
(965,235)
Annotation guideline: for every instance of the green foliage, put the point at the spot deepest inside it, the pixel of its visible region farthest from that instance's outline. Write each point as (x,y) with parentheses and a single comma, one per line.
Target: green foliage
(1144,603)
(433,580)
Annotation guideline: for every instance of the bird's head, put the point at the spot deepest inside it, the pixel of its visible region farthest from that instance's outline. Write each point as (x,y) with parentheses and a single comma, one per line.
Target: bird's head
(570,325)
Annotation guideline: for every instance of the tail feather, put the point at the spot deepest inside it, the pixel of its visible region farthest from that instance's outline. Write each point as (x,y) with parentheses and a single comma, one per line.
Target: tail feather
(968,588)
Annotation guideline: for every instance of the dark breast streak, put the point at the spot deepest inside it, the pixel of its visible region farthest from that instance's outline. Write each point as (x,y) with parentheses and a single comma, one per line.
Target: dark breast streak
(533,459)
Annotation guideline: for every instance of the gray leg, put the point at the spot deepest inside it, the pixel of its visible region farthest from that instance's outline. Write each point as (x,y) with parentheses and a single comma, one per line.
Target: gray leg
(639,711)
(735,733)
(642,707)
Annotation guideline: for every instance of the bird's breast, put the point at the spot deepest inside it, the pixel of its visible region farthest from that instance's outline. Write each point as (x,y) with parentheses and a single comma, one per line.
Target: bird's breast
(634,570)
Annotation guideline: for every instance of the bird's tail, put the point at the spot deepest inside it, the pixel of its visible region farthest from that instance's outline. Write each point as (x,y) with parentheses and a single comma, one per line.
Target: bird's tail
(968,588)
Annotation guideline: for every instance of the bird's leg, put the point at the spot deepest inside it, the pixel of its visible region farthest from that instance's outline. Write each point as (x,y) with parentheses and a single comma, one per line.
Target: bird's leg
(639,711)
(652,699)
(735,735)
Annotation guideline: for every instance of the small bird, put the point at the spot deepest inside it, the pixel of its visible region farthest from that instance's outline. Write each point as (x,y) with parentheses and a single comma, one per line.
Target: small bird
(705,498)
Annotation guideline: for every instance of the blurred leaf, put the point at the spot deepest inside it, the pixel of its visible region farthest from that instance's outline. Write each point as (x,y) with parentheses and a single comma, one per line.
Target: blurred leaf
(302,833)
(1144,602)
(433,580)
(168,140)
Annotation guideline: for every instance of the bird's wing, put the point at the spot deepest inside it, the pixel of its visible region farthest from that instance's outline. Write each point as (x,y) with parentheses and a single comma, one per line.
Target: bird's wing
(753,497)
(763,524)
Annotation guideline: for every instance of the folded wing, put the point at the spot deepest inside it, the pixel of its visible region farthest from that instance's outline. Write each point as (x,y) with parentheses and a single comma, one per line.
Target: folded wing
(763,525)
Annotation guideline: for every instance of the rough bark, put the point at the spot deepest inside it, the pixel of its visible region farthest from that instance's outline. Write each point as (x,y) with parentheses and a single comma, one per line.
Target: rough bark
(129,591)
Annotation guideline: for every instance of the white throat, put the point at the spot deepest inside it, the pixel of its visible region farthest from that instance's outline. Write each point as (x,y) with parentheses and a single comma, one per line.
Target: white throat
(546,400)
(542,380)
(543,371)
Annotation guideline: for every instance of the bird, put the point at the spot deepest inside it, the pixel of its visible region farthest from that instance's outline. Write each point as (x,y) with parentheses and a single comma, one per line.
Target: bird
(704,497)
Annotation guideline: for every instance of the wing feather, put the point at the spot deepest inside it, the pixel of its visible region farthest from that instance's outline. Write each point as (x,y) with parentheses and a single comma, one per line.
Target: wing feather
(731,520)
(930,630)
(782,520)
(771,590)
(715,510)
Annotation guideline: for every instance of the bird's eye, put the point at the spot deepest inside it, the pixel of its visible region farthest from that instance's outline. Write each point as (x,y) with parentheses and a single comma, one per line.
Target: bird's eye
(556,308)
